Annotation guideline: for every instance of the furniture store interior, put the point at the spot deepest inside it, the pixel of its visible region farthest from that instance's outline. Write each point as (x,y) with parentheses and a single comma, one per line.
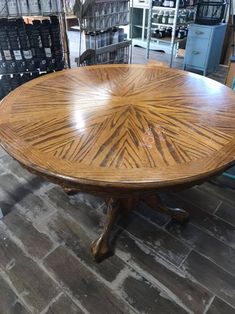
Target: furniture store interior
(117,156)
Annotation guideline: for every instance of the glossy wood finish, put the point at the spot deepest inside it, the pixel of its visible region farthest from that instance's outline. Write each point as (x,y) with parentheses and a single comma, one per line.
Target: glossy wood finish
(121,131)
(121,126)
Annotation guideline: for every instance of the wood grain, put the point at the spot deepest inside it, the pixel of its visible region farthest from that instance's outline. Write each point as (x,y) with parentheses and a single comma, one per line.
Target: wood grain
(121,126)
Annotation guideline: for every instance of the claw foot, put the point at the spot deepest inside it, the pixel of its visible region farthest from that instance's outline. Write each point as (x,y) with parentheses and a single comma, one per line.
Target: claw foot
(179,215)
(100,249)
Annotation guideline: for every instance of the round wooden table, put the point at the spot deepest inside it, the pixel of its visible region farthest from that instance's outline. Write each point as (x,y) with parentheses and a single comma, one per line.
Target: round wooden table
(121,131)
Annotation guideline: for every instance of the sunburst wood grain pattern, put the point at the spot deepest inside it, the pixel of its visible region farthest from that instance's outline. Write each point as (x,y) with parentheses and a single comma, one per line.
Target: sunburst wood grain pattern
(121,131)
(121,125)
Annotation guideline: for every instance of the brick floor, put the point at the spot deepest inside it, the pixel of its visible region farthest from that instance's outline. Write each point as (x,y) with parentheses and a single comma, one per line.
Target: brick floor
(159,266)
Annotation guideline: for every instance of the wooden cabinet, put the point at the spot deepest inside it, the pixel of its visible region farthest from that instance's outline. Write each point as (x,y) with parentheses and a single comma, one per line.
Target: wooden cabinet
(204,46)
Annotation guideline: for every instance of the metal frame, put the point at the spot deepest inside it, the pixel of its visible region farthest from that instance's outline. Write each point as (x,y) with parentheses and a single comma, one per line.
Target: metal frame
(64,32)
(173,39)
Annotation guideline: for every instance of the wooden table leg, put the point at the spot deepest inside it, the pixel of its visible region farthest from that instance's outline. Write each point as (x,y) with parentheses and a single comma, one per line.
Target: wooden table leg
(70,191)
(155,203)
(129,204)
(100,248)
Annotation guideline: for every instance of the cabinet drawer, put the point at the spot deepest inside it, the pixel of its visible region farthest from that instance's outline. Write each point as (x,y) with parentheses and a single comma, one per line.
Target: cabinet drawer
(196,52)
(199,32)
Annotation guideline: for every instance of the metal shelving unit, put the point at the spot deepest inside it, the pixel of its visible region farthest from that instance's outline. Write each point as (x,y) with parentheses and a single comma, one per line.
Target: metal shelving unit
(143,26)
(102,33)
(173,41)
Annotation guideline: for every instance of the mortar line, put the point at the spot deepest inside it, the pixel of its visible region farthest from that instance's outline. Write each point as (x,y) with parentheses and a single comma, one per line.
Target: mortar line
(156,283)
(217,207)
(184,259)
(98,278)
(6,278)
(209,304)
(195,225)
(121,277)
(39,264)
(51,302)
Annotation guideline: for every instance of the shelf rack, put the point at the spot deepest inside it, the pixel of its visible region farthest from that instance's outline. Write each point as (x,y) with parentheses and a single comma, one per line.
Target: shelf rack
(172,41)
(91,23)
(143,26)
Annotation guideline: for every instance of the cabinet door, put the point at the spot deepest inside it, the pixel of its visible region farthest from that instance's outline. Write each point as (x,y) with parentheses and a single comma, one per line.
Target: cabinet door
(196,52)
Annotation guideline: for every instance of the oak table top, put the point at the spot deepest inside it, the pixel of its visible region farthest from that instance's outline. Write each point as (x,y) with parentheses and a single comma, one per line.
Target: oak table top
(121,128)
(124,125)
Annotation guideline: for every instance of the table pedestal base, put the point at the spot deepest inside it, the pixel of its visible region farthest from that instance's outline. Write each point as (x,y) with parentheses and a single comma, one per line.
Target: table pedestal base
(100,248)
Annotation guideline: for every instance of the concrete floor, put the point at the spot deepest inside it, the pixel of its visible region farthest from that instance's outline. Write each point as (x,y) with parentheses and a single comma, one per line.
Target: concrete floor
(159,266)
